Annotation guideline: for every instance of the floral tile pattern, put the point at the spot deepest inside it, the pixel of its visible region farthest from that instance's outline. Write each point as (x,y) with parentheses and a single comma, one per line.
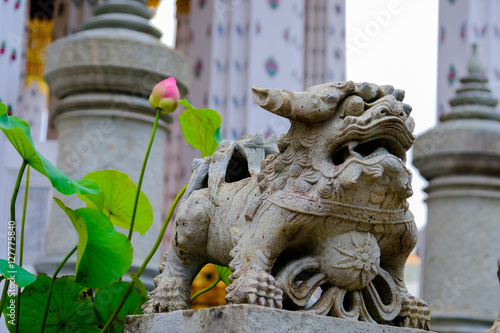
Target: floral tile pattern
(461,24)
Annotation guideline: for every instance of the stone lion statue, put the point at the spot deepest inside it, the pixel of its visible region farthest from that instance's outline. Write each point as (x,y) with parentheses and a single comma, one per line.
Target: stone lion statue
(316,221)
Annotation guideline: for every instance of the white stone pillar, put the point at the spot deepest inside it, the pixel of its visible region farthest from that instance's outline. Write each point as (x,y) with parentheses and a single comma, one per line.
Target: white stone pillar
(461,160)
(103,76)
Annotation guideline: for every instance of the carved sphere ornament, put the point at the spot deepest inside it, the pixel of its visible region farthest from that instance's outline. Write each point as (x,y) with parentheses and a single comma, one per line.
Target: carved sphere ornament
(314,221)
(350,260)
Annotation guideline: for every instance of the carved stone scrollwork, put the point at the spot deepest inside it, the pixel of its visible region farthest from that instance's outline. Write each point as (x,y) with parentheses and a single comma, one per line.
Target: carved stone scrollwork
(381,298)
(377,302)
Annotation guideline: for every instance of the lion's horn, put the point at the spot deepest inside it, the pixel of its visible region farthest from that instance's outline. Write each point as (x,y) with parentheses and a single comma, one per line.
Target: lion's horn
(274,100)
(285,103)
(316,104)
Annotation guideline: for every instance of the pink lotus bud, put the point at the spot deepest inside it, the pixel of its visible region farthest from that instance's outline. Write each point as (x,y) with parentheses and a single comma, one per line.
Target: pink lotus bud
(165,96)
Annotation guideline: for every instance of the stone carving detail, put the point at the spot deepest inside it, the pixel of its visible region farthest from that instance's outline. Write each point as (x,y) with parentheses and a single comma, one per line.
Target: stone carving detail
(321,209)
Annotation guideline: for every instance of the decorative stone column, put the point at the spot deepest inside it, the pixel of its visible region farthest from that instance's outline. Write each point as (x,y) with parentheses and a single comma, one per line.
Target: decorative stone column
(103,76)
(461,160)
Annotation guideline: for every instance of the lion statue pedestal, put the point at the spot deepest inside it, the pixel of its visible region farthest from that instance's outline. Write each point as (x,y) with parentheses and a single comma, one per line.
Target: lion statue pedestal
(245,318)
(320,211)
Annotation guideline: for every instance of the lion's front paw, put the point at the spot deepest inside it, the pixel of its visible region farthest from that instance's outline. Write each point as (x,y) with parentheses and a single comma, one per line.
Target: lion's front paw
(255,288)
(169,295)
(415,313)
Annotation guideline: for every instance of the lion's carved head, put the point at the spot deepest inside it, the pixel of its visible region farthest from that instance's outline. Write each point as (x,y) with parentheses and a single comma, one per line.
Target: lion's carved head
(347,143)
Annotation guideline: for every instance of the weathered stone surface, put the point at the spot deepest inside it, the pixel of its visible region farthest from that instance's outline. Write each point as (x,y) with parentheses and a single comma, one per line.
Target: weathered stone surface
(249,319)
(130,62)
(323,207)
(459,280)
(459,146)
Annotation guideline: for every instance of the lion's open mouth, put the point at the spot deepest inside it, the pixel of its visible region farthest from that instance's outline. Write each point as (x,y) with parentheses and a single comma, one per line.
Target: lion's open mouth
(366,143)
(370,148)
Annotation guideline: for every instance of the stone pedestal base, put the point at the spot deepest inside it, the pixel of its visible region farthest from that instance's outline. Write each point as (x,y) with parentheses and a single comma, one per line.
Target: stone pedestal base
(443,324)
(249,319)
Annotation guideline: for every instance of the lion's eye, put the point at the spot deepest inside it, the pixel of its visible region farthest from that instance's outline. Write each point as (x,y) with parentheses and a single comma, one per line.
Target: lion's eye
(355,106)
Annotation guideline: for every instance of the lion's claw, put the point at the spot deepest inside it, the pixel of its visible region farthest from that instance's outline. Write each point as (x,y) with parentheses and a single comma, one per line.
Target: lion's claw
(168,296)
(255,288)
(415,313)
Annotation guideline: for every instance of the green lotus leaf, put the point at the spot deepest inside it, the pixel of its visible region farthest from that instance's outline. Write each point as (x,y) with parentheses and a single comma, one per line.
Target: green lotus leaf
(218,137)
(103,254)
(107,299)
(16,273)
(223,273)
(71,308)
(116,200)
(200,128)
(18,133)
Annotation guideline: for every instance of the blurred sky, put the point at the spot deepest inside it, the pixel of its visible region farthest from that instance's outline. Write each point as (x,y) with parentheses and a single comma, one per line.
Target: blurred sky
(387,42)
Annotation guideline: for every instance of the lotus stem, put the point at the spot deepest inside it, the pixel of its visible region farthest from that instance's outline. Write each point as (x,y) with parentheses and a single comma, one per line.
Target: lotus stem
(139,184)
(49,295)
(210,287)
(13,218)
(21,245)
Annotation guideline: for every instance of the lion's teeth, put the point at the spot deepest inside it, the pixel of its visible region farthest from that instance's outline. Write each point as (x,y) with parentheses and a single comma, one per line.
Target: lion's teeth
(356,154)
(353,144)
(380,150)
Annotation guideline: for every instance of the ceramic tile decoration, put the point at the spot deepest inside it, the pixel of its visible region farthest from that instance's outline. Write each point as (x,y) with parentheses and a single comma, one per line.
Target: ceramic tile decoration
(12,48)
(461,24)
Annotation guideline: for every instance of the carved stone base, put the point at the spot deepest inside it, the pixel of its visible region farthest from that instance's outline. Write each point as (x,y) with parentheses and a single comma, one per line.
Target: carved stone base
(249,318)
(454,324)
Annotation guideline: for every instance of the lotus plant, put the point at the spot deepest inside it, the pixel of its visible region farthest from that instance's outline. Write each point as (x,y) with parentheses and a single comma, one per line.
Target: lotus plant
(83,301)
(165,99)
(165,96)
